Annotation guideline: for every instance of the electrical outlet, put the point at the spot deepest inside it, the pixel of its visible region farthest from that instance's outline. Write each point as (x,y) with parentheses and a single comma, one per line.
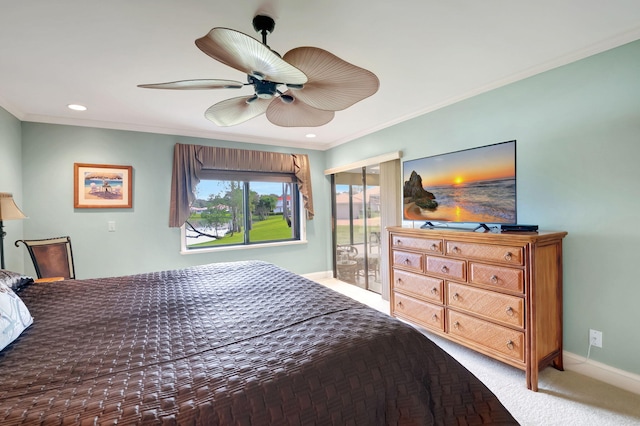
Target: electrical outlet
(595,338)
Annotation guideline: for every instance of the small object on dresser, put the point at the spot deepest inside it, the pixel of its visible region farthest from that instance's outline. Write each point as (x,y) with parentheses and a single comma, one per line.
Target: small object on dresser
(519,228)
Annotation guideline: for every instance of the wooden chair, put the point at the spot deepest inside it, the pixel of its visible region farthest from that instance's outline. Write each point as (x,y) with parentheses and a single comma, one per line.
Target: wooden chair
(52,257)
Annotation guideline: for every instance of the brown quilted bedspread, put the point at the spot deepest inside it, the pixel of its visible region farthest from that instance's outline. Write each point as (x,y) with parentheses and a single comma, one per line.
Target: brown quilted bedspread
(243,343)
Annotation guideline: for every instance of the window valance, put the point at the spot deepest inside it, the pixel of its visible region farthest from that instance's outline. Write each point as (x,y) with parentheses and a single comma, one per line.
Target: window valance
(192,162)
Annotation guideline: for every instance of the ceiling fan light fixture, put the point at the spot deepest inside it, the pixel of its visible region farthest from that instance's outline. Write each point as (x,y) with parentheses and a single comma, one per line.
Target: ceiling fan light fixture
(287,99)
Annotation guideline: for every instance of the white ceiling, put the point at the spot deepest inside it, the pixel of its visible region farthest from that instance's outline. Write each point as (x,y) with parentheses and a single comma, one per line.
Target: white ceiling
(426,53)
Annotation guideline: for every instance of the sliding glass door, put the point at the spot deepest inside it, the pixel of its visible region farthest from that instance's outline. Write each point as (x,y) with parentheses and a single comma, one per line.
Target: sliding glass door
(356,227)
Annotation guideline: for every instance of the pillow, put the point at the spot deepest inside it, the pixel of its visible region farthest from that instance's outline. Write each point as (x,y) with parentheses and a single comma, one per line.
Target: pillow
(14,280)
(14,316)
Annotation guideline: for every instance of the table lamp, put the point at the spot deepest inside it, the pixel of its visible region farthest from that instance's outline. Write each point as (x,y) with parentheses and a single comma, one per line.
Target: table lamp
(8,211)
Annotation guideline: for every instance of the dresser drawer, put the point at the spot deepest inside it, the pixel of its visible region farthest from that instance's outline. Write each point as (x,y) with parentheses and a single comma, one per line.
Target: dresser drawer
(450,268)
(426,244)
(511,255)
(418,285)
(423,313)
(496,338)
(408,260)
(495,276)
(499,307)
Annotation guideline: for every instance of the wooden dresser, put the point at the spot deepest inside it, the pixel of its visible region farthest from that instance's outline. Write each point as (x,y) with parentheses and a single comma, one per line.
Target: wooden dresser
(497,293)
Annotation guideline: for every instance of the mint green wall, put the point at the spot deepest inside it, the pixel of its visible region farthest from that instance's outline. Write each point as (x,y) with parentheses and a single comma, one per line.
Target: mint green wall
(142,241)
(578,151)
(578,133)
(11,181)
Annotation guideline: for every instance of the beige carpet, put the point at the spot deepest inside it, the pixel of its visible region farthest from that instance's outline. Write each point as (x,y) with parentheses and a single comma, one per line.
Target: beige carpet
(564,397)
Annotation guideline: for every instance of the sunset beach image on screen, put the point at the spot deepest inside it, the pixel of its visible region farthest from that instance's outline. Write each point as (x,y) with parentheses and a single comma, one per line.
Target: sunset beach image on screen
(476,185)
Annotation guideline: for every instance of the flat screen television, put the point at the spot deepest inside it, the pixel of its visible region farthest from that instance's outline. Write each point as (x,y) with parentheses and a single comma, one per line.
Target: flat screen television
(476,185)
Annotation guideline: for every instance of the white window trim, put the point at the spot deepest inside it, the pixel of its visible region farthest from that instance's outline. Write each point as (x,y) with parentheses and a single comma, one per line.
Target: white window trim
(364,163)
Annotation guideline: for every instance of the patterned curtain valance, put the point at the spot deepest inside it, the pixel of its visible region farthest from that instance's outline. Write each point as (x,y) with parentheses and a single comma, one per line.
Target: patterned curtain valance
(191,162)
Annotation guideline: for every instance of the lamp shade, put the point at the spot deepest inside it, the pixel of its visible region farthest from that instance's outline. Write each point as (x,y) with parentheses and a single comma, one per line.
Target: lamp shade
(8,208)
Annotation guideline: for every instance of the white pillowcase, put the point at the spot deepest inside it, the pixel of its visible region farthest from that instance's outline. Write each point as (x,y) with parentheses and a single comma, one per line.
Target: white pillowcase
(14,316)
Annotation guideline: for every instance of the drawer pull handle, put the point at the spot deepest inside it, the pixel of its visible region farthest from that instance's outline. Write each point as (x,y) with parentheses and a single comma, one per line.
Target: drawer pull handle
(399,281)
(444,270)
(456,249)
(398,242)
(508,256)
(434,290)
(434,247)
(456,325)
(399,304)
(509,344)
(456,296)
(510,311)
(493,279)
(407,261)
(434,317)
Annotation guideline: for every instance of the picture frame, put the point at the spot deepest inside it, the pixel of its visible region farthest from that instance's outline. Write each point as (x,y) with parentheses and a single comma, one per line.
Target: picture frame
(102,186)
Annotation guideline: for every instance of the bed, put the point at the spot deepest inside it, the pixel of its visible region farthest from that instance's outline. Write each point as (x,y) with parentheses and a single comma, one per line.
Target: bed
(240,343)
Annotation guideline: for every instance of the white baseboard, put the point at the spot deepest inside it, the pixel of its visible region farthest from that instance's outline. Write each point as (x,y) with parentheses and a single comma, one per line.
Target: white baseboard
(322,275)
(596,370)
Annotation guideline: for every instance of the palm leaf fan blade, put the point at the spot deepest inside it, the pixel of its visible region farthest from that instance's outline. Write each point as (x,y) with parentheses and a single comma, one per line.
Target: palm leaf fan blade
(297,114)
(234,111)
(334,84)
(195,85)
(248,55)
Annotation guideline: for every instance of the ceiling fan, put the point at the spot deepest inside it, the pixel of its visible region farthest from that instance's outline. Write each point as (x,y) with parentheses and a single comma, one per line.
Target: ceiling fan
(303,88)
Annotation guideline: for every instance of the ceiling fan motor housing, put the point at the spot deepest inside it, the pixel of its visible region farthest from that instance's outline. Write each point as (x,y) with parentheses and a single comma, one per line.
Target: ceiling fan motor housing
(264,89)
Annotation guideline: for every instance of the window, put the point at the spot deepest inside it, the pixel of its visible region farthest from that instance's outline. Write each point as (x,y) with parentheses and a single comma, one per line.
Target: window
(229,212)
(224,197)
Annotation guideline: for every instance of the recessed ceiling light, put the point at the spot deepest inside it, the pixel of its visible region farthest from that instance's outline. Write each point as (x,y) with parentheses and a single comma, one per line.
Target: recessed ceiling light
(77,107)
(310,135)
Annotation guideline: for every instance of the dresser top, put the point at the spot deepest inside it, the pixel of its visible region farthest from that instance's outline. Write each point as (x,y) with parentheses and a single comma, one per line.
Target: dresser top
(487,237)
